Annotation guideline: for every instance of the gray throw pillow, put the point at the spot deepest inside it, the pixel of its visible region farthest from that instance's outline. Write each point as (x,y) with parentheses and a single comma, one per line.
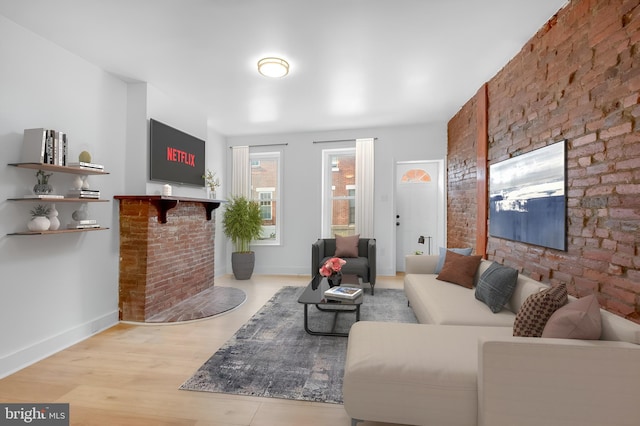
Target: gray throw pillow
(496,285)
(443,254)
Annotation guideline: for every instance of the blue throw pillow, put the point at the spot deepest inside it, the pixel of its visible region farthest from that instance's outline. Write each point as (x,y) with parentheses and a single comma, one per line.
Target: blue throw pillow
(443,254)
(496,285)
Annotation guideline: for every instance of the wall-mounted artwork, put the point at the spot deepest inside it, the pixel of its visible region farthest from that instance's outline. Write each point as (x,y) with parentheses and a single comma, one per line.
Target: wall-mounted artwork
(527,200)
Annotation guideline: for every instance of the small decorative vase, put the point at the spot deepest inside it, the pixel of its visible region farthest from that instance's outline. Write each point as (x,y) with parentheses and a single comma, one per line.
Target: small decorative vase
(38,223)
(53,218)
(212,194)
(335,279)
(85,182)
(77,182)
(80,214)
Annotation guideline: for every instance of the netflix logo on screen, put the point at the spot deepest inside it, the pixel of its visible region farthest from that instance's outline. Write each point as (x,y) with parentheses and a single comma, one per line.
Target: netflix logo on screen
(175,156)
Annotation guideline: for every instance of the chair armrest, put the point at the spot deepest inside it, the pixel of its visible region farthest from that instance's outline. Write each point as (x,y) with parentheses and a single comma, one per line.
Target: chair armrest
(554,382)
(317,254)
(421,263)
(371,255)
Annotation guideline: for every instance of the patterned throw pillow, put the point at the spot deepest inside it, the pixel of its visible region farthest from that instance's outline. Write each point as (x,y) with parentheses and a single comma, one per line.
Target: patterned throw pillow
(537,309)
(496,286)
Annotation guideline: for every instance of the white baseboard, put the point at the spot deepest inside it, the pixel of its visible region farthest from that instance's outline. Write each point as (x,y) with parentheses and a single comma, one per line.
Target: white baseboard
(22,358)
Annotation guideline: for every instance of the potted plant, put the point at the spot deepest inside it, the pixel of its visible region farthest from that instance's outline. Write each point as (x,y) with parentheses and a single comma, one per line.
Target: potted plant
(242,223)
(39,220)
(212,183)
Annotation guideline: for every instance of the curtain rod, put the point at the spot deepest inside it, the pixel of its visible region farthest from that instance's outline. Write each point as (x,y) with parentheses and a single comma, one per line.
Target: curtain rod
(340,140)
(267,144)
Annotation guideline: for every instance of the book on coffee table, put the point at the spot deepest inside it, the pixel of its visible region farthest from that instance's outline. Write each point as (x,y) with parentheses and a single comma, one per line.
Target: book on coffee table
(342,293)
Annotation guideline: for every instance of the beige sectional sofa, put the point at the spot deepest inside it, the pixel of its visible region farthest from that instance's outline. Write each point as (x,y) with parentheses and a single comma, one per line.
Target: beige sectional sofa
(462,365)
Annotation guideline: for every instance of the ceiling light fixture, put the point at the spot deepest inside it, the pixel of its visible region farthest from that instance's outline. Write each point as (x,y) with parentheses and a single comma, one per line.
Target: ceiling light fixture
(273,67)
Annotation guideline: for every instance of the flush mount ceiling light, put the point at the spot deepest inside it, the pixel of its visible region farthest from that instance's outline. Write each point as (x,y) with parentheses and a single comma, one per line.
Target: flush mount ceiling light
(273,67)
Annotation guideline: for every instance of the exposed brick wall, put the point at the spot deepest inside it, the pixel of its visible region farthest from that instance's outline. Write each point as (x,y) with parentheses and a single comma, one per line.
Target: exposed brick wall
(577,79)
(162,264)
(461,172)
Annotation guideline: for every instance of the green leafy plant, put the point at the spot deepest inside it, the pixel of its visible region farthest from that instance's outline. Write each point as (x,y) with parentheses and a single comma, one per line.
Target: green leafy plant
(42,177)
(242,222)
(40,210)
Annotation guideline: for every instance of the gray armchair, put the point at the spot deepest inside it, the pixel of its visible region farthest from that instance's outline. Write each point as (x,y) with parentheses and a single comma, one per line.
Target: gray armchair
(364,265)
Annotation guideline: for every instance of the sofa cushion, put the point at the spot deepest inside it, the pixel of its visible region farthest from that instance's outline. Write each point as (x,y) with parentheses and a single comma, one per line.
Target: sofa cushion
(443,254)
(576,320)
(437,302)
(459,269)
(347,246)
(537,309)
(496,286)
(414,373)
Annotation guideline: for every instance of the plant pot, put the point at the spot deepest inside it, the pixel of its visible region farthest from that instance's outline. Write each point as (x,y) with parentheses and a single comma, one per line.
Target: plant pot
(242,264)
(39,223)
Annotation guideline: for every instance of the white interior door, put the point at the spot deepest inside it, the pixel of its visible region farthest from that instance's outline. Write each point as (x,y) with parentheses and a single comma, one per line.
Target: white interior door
(419,208)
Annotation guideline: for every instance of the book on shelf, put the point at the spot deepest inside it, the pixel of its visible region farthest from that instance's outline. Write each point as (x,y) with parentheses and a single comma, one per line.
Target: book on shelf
(43,196)
(84,193)
(44,146)
(85,165)
(85,222)
(34,143)
(77,225)
(342,293)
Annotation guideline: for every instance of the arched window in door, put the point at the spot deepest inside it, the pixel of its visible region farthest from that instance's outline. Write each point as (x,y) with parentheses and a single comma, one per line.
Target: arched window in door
(416,176)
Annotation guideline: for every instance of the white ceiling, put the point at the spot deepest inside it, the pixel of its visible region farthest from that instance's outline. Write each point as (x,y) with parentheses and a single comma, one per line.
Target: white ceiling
(354,63)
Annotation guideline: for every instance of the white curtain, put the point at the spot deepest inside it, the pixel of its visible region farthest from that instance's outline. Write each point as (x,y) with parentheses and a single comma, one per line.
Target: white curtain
(240,172)
(364,187)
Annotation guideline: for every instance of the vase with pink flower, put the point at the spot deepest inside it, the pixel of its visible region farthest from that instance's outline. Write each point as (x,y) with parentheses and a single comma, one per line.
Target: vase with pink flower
(332,269)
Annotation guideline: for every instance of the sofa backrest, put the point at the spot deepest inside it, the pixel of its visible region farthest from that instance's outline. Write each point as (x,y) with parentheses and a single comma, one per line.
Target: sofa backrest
(616,328)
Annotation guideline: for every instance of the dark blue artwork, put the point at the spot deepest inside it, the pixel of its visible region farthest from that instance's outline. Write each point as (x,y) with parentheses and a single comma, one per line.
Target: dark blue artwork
(527,200)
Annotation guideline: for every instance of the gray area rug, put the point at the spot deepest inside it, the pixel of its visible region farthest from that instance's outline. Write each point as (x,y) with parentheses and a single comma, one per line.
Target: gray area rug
(272,356)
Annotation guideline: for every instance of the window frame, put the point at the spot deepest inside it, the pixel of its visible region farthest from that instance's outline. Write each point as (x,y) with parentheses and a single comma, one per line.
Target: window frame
(328,168)
(255,160)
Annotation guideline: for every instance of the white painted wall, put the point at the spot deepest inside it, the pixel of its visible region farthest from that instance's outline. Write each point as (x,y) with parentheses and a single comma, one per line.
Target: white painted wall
(302,189)
(55,289)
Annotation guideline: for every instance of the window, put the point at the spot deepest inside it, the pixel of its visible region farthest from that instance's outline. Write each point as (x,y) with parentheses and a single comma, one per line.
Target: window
(339,191)
(265,189)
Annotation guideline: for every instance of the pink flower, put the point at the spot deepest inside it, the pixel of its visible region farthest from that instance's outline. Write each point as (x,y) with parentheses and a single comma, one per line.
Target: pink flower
(331,266)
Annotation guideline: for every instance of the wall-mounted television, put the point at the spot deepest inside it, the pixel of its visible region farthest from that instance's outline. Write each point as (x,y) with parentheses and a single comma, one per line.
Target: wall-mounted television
(175,157)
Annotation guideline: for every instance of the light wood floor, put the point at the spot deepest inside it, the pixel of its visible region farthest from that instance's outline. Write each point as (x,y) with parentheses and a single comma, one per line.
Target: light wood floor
(130,373)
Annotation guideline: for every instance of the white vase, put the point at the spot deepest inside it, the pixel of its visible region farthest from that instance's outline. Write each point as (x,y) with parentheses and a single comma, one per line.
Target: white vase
(77,182)
(53,218)
(39,223)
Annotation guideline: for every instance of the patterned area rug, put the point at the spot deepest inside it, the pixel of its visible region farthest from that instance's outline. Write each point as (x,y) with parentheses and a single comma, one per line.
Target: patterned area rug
(272,355)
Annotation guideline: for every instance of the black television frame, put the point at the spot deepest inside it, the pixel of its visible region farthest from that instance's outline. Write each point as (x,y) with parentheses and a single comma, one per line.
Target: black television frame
(175,156)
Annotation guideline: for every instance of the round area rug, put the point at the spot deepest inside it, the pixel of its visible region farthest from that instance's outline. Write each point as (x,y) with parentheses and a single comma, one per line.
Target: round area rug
(212,301)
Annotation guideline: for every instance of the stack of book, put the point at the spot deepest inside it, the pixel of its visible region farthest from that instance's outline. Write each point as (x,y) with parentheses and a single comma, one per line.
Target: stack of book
(342,293)
(83,224)
(44,146)
(86,166)
(84,193)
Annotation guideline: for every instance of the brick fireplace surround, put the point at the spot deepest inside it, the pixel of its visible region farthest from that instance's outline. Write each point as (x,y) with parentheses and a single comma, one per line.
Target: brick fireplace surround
(166,252)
